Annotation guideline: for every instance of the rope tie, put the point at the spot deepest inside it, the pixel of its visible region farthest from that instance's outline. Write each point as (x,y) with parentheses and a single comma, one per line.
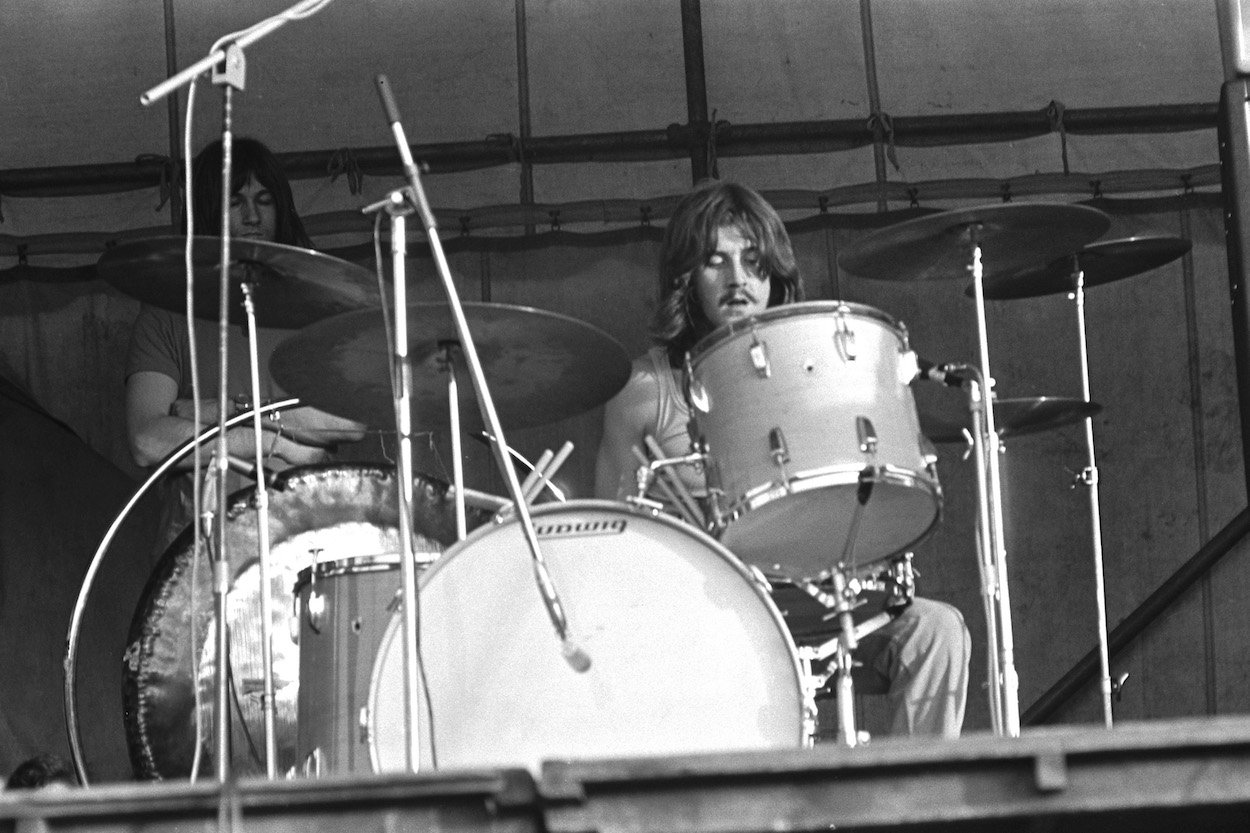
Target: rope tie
(1054,112)
(881,126)
(343,163)
(165,185)
(645,215)
(554,215)
(709,144)
(913,196)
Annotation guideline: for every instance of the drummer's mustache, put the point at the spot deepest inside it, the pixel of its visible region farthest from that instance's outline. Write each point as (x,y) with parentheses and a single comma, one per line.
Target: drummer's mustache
(735,294)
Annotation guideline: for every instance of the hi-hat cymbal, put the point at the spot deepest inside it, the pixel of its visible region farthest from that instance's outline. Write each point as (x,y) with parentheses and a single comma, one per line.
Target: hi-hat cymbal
(292,287)
(1101,262)
(1012,417)
(540,366)
(1012,236)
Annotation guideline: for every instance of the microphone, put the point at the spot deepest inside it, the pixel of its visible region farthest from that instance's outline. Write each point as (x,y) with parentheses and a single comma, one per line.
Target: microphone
(942,373)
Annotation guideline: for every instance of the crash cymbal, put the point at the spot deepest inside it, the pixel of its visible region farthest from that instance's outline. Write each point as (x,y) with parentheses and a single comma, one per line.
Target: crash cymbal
(540,366)
(293,287)
(1012,417)
(937,247)
(1101,262)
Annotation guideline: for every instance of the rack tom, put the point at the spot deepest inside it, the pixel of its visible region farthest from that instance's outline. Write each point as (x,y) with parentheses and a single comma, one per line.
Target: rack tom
(813,441)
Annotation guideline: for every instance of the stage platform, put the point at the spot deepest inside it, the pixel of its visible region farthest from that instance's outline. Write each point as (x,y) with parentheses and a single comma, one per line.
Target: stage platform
(1191,776)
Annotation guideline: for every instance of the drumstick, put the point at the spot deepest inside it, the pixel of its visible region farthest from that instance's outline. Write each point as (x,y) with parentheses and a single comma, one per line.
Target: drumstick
(547,472)
(535,473)
(675,482)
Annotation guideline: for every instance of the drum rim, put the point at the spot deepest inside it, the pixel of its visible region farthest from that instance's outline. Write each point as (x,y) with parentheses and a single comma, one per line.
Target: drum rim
(335,567)
(726,332)
(761,592)
(833,476)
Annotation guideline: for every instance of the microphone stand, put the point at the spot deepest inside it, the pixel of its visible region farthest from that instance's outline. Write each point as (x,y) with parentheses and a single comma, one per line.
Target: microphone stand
(573,654)
(228,70)
(1004,683)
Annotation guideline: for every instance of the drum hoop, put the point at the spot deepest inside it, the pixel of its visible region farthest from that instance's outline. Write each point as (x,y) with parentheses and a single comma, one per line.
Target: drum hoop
(843,475)
(760,591)
(727,332)
(333,568)
(839,476)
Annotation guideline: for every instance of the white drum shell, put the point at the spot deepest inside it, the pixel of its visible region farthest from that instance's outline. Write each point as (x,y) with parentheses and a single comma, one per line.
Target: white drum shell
(688,654)
(828,364)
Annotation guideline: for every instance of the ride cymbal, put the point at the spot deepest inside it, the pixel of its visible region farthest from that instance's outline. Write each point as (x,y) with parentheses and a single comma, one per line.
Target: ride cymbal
(540,366)
(1101,262)
(1012,236)
(292,287)
(1012,417)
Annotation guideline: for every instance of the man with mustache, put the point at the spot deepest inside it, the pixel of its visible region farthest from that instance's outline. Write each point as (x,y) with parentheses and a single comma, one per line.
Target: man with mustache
(726,255)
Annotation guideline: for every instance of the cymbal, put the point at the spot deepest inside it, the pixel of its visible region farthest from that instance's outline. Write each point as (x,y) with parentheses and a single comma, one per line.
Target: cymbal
(1012,417)
(1101,262)
(540,366)
(293,287)
(1012,236)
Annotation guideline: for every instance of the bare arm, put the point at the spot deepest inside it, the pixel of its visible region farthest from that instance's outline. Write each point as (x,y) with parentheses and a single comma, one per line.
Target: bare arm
(157,423)
(626,419)
(303,424)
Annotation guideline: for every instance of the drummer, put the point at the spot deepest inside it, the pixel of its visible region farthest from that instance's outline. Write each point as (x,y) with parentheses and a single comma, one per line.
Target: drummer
(726,255)
(159,404)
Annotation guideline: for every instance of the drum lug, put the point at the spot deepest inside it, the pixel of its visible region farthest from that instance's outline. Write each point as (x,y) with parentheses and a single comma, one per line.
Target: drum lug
(316,610)
(780,453)
(867,435)
(759,357)
(844,338)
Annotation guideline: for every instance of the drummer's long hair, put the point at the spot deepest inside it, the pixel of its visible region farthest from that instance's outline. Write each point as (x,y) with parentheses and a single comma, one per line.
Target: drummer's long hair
(689,242)
(250,159)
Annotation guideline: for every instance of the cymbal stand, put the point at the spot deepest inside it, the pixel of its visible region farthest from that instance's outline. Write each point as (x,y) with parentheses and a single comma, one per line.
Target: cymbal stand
(269,701)
(1004,683)
(1089,477)
(573,654)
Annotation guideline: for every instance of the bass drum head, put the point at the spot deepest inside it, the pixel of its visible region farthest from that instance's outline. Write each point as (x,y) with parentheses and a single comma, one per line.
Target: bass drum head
(340,511)
(688,654)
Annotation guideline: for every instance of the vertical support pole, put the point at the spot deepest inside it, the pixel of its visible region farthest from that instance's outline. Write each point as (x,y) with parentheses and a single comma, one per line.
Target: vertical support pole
(696,88)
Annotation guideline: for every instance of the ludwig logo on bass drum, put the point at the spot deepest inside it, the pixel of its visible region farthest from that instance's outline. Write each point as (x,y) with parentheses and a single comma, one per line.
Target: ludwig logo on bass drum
(570,529)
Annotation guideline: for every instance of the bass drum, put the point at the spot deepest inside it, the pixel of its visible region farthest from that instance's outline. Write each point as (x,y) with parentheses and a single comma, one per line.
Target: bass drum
(330,511)
(688,653)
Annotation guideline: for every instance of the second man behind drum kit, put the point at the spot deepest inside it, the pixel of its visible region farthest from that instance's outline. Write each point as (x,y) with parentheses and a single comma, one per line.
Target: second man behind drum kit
(726,255)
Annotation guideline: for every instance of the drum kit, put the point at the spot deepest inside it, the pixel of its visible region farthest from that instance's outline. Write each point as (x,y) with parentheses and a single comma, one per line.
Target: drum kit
(820,479)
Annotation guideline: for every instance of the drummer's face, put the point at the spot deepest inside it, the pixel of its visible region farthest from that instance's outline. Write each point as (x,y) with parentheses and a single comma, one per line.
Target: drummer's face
(730,285)
(252,212)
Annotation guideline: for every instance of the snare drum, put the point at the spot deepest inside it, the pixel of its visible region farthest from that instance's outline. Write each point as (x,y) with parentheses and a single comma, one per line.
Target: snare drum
(812,435)
(688,653)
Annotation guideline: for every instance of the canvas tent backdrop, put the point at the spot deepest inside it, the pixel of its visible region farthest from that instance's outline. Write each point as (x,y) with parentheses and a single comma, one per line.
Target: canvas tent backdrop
(559,135)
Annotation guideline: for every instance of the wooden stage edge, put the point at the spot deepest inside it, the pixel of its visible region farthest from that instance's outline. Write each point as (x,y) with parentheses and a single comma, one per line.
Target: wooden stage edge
(1191,775)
